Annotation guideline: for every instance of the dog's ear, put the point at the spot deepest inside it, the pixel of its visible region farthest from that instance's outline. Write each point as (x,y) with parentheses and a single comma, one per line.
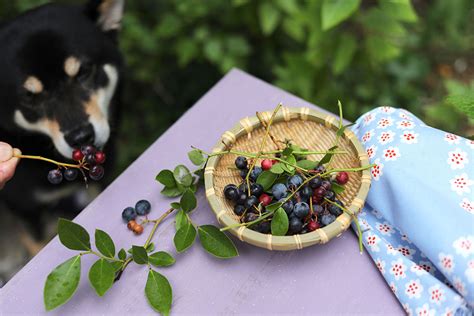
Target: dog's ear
(106,13)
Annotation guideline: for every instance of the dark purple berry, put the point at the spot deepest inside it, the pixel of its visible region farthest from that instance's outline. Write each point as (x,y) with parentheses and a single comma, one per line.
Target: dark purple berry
(250,217)
(301,210)
(243,173)
(287,206)
(256,189)
(90,159)
(143,207)
(241,162)
(294,182)
(96,172)
(70,174)
(306,192)
(295,225)
(87,149)
(326,184)
(55,176)
(239,209)
(327,219)
(241,199)
(330,195)
(251,201)
(129,214)
(231,192)
(263,227)
(256,171)
(315,182)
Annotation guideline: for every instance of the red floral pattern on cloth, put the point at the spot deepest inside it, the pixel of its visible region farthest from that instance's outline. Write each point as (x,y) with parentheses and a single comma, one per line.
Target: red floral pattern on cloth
(409,137)
(457,159)
(384,122)
(451,138)
(391,153)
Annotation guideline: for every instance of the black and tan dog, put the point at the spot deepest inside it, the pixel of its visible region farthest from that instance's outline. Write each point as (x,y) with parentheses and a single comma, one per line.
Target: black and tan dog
(60,75)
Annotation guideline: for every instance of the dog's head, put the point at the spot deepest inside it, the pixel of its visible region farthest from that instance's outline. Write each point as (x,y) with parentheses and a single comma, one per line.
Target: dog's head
(60,67)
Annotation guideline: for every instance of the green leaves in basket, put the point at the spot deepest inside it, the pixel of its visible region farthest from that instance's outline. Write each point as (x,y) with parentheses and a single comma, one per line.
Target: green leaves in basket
(280,223)
(161,259)
(73,235)
(104,243)
(184,237)
(277,168)
(266,179)
(273,207)
(188,201)
(158,292)
(101,276)
(307,164)
(196,157)
(216,242)
(337,188)
(326,158)
(62,282)
(291,162)
(139,255)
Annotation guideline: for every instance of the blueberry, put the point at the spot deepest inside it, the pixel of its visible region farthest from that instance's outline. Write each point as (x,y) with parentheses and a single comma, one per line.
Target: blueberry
(70,174)
(241,162)
(301,210)
(256,171)
(294,181)
(315,182)
(263,227)
(306,192)
(326,185)
(295,225)
(128,214)
(231,192)
(243,188)
(88,149)
(55,176)
(256,189)
(241,198)
(287,206)
(239,209)
(318,209)
(327,219)
(334,210)
(143,207)
(250,217)
(330,195)
(90,159)
(96,172)
(243,173)
(279,191)
(320,169)
(251,201)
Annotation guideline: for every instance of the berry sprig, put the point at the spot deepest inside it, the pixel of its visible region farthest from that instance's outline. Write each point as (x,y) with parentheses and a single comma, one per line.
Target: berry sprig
(89,161)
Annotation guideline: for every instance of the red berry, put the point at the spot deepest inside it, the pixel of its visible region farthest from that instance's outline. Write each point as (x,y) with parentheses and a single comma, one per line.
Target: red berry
(342,177)
(100,157)
(77,155)
(319,192)
(266,164)
(312,225)
(274,161)
(265,199)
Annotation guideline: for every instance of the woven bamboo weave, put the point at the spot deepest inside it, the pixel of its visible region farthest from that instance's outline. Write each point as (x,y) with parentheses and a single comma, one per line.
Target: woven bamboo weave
(308,129)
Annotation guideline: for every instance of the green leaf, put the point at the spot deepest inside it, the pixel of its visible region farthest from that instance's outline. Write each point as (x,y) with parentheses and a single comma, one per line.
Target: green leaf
(342,129)
(344,53)
(269,16)
(62,282)
(401,10)
(188,201)
(184,237)
(463,102)
(280,223)
(181,219)
(158,292)
(172,192)
(116,265)
(73,235)
(216,242)
(101,276)
(292,160)
(122,255)
(337,188)
(326,158)
(273,207)
(196,157)
(166,178)
(380,49)
(104,243)
(161,259)
(334,12)
(307,164)
(277,168)
(176,205)
(266,179)
(150,247)
(139,255)
(289,150)
(182,175)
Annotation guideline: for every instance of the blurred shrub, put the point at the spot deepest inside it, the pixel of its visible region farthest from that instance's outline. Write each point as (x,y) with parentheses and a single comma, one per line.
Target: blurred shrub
(417,55)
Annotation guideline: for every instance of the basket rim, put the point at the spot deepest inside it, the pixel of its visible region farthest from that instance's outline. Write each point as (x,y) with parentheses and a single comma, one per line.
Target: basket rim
(298,241)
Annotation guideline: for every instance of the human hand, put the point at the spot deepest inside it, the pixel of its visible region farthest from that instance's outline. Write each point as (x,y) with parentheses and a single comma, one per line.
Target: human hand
(8,162)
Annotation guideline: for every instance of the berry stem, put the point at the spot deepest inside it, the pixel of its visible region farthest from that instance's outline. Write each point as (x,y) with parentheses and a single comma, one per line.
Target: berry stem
(155,226)
(104,257)
(59,164)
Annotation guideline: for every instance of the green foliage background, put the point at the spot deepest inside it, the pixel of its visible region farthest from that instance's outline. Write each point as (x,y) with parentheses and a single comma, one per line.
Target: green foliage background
(417,54)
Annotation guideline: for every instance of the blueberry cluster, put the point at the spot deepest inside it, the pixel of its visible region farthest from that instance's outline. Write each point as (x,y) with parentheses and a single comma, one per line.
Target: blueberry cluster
(88,158)
(129,214)
(303,201)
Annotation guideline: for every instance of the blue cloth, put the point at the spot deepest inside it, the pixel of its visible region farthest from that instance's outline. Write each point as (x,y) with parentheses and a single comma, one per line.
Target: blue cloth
(418,220)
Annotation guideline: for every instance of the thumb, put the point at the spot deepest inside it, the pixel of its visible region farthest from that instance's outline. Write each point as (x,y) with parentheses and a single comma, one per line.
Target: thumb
(6,152)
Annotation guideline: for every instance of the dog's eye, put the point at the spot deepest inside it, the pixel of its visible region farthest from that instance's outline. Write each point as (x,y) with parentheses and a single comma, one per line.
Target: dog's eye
(86,72)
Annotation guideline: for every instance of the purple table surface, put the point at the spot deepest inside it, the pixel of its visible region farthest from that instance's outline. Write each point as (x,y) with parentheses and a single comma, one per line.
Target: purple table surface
(324,279)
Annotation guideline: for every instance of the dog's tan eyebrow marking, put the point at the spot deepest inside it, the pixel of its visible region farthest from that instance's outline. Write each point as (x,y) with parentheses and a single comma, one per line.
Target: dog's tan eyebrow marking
(72,66)
(33,85)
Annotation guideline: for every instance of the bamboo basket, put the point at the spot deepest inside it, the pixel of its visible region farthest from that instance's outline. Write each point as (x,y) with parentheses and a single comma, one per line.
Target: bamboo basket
(307,128)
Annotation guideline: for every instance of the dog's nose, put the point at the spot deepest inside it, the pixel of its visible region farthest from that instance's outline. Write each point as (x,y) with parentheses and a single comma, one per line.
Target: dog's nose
(83,135)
